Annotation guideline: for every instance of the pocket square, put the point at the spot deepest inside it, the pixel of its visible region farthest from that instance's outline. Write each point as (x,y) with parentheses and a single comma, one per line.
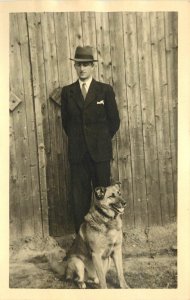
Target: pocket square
(100,102)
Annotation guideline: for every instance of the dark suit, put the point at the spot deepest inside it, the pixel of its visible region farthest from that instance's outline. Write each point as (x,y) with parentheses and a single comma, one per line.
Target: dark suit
(90,125)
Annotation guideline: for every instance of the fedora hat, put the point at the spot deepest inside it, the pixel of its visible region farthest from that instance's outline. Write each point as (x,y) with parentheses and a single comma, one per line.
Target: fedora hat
(83,54)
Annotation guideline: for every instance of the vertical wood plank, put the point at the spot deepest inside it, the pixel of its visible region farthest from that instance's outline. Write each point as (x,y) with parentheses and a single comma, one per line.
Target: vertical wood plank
(14,201)
(119,82)
(171,34)
(103,47)
(162,115)
(63,48)
(61,205)
(89,35)
(41,112)
(135,119)
(52,82)
(21,134)
(34,200)
(14,193)
(65,77)
(105,73)
(148,119)
(75,36)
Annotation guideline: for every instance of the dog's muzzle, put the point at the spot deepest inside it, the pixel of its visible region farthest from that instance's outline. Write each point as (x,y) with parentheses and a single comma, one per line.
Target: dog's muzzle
(119,206)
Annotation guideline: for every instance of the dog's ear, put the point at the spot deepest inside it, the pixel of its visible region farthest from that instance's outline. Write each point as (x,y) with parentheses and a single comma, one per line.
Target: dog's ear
(115,183)
(100,192)
(118,185)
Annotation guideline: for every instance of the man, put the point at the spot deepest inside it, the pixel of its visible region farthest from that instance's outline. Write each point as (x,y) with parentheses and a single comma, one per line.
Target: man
(90,119)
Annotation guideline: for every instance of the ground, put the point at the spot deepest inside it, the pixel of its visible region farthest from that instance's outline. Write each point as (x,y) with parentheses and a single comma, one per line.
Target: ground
(149,260)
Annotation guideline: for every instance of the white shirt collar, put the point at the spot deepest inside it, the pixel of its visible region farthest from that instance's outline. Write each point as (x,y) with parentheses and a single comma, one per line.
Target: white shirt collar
(88,82)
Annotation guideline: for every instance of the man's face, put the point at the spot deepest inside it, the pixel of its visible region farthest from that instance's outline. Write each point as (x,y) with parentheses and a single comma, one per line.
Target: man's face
(84,70)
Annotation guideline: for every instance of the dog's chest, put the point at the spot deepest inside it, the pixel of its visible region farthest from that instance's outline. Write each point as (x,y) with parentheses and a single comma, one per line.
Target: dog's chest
(113,238)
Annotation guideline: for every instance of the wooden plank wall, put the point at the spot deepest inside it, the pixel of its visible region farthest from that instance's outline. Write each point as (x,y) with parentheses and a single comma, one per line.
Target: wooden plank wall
(25,204)
(137,54)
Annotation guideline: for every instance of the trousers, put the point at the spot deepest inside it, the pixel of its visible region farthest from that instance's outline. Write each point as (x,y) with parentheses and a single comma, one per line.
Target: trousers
(86,176)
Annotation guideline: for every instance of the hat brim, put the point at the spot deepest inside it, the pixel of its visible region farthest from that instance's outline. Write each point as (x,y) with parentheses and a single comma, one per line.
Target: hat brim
(83,60)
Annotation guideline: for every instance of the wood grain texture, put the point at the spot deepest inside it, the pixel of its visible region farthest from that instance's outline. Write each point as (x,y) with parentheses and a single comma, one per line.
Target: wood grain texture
(148,120)
(62,48)
(119,84)
(22,152)
(63,55)
(40,106)
(33,202)
(52,82)
(103,47)
(75,36)
(14,191)
(162,115)
(171,37)
(135,119)
(14,202)
(24,159)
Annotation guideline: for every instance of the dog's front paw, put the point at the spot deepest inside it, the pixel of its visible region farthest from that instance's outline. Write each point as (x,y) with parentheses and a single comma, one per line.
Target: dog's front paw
(93,280)
(81,284)
(124,285)
(103,286)
(96,280)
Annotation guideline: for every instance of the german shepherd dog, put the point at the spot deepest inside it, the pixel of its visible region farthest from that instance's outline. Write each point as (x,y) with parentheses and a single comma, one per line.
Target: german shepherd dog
(99,239)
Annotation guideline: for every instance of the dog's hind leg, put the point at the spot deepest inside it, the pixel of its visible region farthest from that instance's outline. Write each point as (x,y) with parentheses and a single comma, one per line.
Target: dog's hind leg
(75,271)
(80,273)
(91,275)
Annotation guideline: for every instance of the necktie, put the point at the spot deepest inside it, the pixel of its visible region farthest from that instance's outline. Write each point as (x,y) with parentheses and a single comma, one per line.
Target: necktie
(84,92)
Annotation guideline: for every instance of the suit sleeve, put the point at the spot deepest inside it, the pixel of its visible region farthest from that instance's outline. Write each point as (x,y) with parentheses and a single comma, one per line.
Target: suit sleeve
(64,113)
(112,111)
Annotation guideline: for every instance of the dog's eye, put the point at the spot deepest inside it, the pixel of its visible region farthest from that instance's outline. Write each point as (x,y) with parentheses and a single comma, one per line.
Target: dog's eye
(113,195)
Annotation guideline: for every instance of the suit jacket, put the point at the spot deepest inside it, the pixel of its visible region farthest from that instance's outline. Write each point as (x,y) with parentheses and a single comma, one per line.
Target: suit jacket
(89,124)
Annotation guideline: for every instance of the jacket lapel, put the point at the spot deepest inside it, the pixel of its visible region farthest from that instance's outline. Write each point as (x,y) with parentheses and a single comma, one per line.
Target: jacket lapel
(92,93)
(76,95)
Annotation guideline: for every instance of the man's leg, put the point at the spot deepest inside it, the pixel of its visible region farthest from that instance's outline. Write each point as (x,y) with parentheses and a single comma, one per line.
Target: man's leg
(101,174)
(81,190)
